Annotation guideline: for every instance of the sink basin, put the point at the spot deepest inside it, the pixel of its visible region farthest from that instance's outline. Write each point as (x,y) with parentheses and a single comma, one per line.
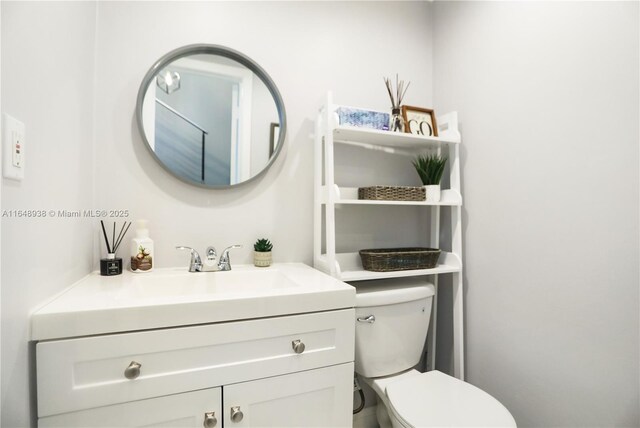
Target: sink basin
(174,297)
(222,284)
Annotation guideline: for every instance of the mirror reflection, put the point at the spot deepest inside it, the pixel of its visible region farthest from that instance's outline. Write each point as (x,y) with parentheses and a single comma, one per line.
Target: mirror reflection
(210,119)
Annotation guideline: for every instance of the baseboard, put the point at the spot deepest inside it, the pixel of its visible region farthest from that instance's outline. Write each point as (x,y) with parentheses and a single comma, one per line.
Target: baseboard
(366,418)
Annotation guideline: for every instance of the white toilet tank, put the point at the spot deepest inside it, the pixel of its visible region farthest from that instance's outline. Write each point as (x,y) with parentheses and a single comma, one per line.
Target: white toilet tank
(395,340)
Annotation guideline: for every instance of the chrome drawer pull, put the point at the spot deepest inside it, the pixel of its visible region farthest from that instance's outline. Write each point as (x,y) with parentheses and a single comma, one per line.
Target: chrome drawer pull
(370,319)
(133,371)
(298,346)
(236,414)
(210,420)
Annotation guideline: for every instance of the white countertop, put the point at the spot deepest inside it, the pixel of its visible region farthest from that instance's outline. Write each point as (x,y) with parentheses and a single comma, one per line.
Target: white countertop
(174,297)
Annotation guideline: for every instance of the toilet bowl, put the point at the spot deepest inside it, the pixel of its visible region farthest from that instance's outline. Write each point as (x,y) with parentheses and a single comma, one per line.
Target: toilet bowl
(392,319)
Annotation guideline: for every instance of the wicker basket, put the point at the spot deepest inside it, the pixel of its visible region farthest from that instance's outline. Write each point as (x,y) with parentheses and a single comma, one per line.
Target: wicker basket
(392,193)
(392,259)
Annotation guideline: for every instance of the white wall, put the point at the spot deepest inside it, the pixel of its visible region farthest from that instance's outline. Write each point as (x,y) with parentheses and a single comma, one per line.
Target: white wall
(47,81)
(307,48)
(548,99)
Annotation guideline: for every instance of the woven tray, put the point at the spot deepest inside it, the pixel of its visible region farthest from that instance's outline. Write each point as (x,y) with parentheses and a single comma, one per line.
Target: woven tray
(392,193)
(392,259)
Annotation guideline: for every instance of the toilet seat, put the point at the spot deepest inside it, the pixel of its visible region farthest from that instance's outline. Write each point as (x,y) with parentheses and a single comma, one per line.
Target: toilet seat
(434,399)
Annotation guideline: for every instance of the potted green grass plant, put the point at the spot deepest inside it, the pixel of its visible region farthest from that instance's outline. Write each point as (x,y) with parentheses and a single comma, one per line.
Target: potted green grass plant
(430,169)
(262,253)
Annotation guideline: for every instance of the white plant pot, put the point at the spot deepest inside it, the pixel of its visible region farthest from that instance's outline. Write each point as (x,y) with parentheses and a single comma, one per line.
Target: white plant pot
(262,259)
(432,192)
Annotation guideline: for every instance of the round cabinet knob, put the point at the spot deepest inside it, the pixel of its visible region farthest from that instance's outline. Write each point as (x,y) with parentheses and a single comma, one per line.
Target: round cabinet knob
(236,414)
(133,371)
(298,346)
(210,420)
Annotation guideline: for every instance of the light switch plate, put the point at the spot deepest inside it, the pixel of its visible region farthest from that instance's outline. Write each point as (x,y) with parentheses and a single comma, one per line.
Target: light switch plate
(13,147)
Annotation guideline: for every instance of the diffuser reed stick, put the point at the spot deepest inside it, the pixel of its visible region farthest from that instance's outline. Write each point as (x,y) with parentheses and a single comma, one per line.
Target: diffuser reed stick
(401,90)
(121,235)
(106,239)
(115,242)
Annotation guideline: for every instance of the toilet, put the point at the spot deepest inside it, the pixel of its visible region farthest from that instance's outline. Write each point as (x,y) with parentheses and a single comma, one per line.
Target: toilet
(392,319)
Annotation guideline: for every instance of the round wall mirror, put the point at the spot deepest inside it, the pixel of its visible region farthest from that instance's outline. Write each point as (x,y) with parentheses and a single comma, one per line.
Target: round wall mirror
(211,116)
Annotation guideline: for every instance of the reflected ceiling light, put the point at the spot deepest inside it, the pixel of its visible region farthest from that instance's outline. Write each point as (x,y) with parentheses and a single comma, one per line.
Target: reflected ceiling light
(168,81)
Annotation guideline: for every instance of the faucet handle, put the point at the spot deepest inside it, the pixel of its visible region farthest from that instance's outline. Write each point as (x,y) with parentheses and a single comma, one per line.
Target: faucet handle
(225,262)
(195,265)
(225,252)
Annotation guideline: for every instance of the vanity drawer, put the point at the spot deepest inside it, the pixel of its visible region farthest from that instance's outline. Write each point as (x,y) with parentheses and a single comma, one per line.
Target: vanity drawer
(89,372)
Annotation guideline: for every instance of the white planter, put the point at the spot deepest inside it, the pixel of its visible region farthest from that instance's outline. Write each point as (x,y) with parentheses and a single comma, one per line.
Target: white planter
(432,192)
(262,259)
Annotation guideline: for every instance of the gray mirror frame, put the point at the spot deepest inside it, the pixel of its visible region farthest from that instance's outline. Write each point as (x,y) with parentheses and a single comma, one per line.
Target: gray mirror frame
(227,53)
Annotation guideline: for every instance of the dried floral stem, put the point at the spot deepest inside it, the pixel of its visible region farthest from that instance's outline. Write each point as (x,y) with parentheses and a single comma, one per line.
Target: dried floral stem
(401,90)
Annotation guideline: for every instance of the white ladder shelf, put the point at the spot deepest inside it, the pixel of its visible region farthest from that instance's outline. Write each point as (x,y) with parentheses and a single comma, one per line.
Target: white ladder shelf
(328,194)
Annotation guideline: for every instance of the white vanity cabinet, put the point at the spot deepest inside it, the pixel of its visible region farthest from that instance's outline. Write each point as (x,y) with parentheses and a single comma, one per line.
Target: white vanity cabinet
(294,369)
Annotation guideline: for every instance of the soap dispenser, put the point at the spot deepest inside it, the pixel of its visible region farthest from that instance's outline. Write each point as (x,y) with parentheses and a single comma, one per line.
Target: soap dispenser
(142,249)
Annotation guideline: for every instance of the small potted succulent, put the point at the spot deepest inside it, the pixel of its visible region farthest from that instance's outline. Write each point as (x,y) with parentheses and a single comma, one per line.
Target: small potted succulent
(262,253)
(430,169)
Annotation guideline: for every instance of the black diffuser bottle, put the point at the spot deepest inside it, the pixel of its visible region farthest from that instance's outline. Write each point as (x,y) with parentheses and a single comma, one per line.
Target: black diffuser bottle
(112,265)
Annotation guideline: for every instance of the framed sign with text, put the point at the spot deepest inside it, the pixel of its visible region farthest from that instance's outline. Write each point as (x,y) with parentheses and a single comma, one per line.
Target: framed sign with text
(420,121)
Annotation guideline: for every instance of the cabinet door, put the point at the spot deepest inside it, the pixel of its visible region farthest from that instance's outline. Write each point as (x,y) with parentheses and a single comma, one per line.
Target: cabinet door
(315,398)
(189,409)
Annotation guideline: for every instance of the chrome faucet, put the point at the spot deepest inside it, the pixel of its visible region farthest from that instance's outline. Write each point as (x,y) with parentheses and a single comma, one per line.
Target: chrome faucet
(224,263)
(196,265)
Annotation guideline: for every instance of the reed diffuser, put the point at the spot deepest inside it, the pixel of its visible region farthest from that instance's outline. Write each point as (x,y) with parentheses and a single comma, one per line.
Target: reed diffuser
(396,123)
(112,265)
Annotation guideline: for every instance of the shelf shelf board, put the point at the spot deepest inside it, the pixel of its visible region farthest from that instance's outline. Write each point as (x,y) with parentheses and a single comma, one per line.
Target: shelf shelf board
(363,275)
(351,269)
(388,141)
(349,196)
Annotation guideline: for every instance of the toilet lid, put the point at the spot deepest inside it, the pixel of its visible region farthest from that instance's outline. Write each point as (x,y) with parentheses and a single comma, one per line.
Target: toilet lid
(436,399)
